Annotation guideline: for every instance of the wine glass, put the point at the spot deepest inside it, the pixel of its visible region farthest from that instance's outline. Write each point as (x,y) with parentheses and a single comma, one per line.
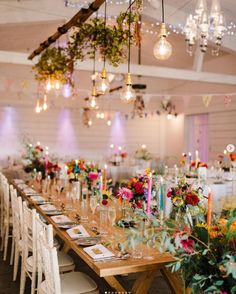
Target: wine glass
(112,215)
(93,205)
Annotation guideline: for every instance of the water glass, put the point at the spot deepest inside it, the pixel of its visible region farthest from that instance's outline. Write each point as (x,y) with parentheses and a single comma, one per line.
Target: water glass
(103,216)
(112,215)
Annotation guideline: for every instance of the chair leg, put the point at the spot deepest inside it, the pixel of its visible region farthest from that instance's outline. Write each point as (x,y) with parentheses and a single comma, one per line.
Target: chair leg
(2,238)
(16,263)
(12,251)
(22,280)
(33,282)
(6,244)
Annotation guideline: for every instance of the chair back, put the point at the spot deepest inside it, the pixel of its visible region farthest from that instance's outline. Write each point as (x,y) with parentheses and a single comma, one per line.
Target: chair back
(51,268)
(17,215)
(29,236)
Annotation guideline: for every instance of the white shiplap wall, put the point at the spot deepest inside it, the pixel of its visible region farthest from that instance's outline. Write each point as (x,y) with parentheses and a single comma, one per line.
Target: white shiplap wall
(221,119)
(62,130)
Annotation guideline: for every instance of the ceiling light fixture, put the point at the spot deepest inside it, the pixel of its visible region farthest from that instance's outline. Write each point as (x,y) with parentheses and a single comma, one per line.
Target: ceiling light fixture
(204,26)
(162,49)
(128,95)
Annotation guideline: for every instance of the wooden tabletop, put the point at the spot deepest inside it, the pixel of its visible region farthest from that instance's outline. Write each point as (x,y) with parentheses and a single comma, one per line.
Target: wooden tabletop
(109,268)
(102,268)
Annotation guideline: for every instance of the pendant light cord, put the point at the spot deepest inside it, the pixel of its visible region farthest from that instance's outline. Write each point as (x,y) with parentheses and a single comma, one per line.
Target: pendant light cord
(163,12)
(129,41)
(105,41)
(94,56)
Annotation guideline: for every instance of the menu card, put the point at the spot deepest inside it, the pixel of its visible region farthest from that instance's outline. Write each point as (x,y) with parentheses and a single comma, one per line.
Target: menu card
(77,232)
(60,219)
(98,251)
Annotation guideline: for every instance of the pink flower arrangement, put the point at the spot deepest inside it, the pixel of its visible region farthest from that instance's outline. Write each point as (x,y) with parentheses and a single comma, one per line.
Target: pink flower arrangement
(93,176)
(125,193)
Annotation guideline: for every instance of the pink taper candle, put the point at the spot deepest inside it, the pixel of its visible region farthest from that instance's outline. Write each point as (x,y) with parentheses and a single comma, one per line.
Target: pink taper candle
(209,210)
(149,196)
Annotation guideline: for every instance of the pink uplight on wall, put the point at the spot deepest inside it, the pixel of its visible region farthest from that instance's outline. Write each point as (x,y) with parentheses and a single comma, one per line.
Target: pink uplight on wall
(117,131)
(9,141)
(66,138)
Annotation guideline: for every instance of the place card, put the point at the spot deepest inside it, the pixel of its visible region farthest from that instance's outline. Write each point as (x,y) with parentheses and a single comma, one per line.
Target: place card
(77,232)
(48,207)
(98,251)
(37,198)
(60,219)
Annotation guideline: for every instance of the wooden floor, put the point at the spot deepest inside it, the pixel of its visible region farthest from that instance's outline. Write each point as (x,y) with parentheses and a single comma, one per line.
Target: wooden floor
(7,286)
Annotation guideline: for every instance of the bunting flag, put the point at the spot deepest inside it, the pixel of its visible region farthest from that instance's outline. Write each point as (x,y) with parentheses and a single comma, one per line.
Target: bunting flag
(227,100)
(206,100)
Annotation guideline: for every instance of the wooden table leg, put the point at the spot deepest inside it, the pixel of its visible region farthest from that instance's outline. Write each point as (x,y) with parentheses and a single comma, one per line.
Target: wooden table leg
(174,280)
(143,282)
(112,281)
(65,248)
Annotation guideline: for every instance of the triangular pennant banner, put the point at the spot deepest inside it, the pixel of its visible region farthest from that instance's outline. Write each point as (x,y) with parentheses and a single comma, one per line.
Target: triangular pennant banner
(206,100)
(227,100)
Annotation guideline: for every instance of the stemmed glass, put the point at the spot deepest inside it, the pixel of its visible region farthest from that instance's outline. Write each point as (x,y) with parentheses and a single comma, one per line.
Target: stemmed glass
(112,215)
(93,202)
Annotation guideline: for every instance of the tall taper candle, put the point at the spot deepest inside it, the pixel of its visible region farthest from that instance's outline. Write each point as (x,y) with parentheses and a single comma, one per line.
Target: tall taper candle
(209,210)
(149,196)
(105,178)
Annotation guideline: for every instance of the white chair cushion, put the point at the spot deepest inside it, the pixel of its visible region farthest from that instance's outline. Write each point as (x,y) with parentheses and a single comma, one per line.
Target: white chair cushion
(74,283)
(65,262)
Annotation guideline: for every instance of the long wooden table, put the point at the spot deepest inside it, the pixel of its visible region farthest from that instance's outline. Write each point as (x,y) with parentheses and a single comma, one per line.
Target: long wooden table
(145,269)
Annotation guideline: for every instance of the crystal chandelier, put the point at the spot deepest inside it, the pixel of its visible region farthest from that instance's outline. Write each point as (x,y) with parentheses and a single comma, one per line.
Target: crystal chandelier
(203,26)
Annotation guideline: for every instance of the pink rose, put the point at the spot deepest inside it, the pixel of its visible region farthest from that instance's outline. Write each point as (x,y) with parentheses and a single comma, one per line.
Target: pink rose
(93,176)
(125,193)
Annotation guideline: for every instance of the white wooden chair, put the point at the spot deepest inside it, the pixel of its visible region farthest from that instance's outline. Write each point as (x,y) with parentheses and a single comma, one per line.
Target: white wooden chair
(28,249)
(32,225)
(56,283)
(17,217)
(7,220)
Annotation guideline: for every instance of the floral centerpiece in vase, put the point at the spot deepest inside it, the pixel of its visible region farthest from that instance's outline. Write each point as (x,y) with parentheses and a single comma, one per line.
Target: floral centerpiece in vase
(143,156)
(187,201)
(206,256)
(35,160)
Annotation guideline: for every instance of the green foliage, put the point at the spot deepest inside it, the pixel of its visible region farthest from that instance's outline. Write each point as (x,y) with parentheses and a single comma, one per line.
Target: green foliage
(54,63)
(89,37)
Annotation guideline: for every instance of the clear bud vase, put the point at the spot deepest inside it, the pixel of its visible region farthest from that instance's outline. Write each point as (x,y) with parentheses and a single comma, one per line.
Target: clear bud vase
(84,209)
(103,217)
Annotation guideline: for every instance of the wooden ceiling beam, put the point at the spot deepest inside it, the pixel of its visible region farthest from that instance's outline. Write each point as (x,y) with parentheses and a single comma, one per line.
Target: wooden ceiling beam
(79,17)
(144,70)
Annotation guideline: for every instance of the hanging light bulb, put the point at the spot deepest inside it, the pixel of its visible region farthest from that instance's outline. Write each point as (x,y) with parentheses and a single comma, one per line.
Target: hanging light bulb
(169,116)
(38,107)
(102,115)
(48,85)
(57,85)
(98,115)
(128,95)
(45,106)
(162,49)
(103,85)
(93,100)
(90,123)
(109,122)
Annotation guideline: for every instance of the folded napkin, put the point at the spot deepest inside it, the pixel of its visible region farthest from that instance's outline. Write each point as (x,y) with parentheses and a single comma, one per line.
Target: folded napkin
(29,191)
(19,181)
(61,219)
(77,232)
(98,251)
(37,198)
(48,207)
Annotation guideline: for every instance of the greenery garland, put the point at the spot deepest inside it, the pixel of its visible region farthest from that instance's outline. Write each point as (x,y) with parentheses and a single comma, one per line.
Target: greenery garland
(57,63)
